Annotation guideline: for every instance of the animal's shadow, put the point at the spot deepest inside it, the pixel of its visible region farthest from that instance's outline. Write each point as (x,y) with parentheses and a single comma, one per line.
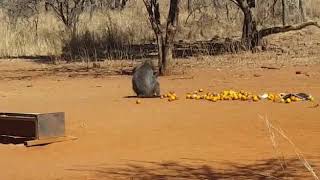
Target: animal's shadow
(136,97)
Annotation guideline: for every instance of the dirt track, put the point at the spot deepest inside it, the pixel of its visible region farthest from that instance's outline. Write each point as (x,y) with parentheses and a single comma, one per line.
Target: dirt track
(184,139)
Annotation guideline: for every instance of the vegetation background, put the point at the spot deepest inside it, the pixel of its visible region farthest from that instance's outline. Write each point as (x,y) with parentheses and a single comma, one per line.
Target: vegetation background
(28,28)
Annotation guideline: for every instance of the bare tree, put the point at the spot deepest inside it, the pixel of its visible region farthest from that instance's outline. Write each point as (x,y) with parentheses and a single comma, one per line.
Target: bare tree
(249,28)
(116,4)
(25,10)
(164,38)
(119,4)
(123,3)
(189,5)
(68,11)
(302,10)
(284,13)
(103,4)
(251,36)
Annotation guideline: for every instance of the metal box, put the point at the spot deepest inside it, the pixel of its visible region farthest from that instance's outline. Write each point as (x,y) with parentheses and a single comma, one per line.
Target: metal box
(43,128)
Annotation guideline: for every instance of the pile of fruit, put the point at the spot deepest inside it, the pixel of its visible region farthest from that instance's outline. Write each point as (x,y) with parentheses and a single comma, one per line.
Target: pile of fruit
(223,96)
(233,95)
(171,96)
(228,95)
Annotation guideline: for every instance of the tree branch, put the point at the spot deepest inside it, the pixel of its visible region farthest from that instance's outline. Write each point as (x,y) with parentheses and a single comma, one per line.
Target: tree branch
(275,30)
(154,15)
(235,3)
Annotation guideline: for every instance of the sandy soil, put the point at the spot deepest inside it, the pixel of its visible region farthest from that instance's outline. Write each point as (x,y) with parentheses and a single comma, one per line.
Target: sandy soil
(157,139)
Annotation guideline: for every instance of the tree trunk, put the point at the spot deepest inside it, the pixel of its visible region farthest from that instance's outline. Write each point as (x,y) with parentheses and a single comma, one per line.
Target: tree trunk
(124,3)
(116,4)
(284,14)
(249,29)
(172,23)
(251,3)
(273,10)
(251,37)
(160,43)
(166,59)
(189,5)
(228,11)
(302,10)
(164,39)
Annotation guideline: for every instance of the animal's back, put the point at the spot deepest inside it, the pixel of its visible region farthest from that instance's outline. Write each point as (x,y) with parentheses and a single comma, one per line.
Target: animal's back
(143,80)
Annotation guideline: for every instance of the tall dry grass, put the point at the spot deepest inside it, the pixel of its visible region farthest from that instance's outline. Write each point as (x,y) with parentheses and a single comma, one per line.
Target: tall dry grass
(114,28)
(21,39)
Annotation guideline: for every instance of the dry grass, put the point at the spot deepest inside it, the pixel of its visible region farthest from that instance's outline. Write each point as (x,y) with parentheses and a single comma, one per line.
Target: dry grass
(300,48)
(129,26)
(21,40)
(273,131)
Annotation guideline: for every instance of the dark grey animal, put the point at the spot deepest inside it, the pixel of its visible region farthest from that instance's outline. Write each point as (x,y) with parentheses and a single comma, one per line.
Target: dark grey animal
(144,80)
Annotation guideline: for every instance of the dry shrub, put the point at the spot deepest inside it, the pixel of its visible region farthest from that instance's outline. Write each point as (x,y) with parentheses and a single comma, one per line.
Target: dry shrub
(109,37)
(23,39)
(105,32)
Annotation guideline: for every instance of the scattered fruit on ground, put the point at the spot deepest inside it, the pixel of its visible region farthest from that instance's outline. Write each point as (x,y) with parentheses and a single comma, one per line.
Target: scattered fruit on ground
(227,95)
(172,96)
(311,98)
(288,100)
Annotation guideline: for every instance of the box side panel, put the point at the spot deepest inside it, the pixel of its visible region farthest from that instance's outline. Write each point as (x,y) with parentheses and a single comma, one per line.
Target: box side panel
(17,127)
(50,125)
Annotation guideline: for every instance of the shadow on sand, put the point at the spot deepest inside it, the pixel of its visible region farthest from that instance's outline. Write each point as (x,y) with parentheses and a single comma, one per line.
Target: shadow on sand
(262,169)
(12,140)
(37,59)
(136,97)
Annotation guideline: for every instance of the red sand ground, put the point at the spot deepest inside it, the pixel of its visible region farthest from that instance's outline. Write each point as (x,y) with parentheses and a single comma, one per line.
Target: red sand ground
(184,139)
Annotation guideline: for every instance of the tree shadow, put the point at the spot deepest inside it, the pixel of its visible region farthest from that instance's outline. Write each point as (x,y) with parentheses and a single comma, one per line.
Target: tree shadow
(261,170)
(67,70)
(37,58)
(112,44)
(116,44)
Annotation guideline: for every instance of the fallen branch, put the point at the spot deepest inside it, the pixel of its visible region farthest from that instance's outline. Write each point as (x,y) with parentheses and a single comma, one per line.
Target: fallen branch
(267,67)
(191,77)
(281,29)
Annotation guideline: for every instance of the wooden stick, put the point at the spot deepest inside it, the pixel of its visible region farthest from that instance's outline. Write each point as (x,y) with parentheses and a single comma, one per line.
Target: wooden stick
(267,67)
(38,142)
(182,78)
